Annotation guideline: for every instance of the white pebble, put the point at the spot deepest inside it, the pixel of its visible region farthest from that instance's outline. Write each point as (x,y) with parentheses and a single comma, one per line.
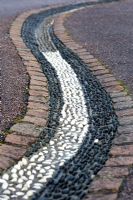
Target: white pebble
(5,176)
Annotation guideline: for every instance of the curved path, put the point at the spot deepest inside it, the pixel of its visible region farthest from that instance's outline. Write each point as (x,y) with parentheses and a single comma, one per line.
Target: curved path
(80,129)
(14,77)
(106,32)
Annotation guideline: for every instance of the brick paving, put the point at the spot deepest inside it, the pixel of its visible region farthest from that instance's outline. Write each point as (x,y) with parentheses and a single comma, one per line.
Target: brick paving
(24,133)
(109,181)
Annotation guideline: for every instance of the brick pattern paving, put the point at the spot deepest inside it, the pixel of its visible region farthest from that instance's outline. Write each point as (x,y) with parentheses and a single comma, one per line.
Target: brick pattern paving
(26,131)
(108,182)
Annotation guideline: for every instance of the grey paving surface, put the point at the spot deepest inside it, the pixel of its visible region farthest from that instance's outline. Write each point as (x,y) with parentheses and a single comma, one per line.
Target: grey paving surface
(107,32)
(11,7)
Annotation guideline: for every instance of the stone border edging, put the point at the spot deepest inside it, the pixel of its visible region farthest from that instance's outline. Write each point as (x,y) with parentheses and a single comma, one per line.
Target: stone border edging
(109,180)
(26,132)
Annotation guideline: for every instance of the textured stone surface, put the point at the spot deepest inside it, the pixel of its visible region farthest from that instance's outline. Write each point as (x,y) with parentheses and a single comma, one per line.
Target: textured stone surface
(12,151)
(19,140)
(26,129)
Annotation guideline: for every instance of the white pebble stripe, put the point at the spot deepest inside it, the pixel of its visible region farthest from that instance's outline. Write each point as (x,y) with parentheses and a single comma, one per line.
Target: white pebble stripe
(30,175)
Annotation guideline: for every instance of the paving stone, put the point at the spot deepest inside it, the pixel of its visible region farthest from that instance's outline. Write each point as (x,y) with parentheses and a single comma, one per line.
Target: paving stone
(38,93)
(12,151)
(105,76)
(90,61)
(6,162)
(122,99)
(126,130)
(35,120)
(38,83)
(125,150)
(36,105)
(110,172)
(101,72)
(124,139)
(106,80)
(123,105)
(38,78)
(125,112)
(93,64)
(39,99)
(101,196)
(31,63)
(33,73)
(104,184)
(88,57)
(26,129)
(109,84)
(118,94)
(34,69)
(26,57)
(126,120)
(96,68)
(20,140)
(37,113)
(38,88)
(115,89)
(120,161)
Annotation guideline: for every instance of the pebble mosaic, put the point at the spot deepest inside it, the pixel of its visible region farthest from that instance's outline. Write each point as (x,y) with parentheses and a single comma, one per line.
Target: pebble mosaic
(82,123)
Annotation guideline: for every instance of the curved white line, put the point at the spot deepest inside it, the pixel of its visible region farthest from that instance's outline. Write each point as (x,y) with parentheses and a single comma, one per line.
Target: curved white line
(29,175)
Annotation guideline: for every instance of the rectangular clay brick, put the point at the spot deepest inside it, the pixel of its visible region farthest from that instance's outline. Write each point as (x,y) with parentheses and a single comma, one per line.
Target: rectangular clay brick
(38,88)
(39,99)
(124,139)
(90,61)
(35,120)
(20,140)
(38,93)
(96,68)
(126,120)
(118,94)
(37,113)
(114,89)
(38,83)
(38,106)
(125,112)
(124,150)
(104,76)
(27,58)
(120,161)
(26,129)
(32,64)
(6,162)
(12,151)
(105,184)
(93,64)
(35,69)
(101,196)
(123,105)
(38,78)
(87,56)
(110,172)
(126,130)
(34,73)
(106,80)
(110,84)
(122,99)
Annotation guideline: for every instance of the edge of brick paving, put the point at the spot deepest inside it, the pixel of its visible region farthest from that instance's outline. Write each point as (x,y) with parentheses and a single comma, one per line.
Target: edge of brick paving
(108,182)
(28,129)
